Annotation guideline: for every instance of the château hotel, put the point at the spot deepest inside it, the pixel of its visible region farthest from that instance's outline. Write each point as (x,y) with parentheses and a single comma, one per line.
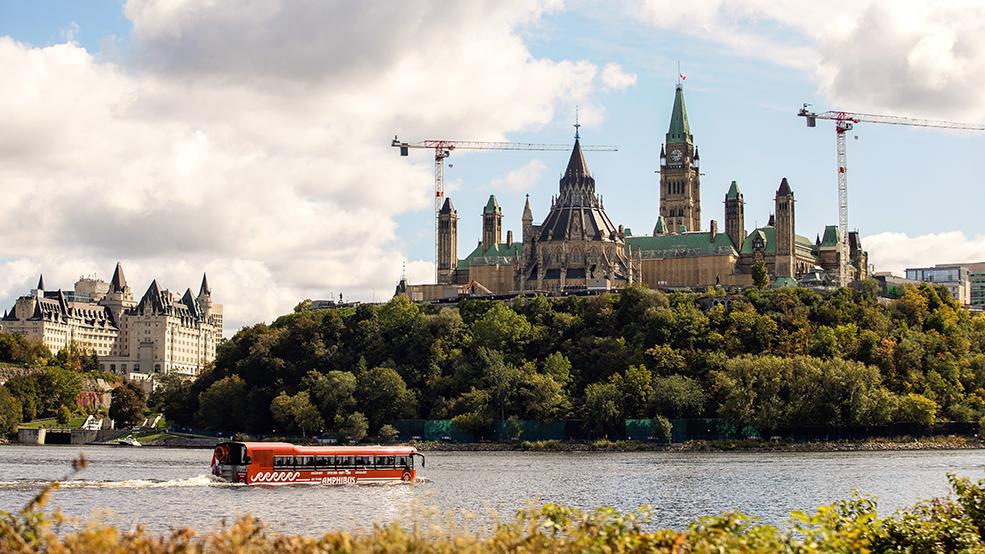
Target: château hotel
(159,334)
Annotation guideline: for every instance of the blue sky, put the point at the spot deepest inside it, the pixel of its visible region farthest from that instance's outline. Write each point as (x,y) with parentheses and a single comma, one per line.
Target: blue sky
(280,120)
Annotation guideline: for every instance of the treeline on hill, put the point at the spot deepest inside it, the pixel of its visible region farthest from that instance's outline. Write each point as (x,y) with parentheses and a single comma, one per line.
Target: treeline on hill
(42,385)
(766,358)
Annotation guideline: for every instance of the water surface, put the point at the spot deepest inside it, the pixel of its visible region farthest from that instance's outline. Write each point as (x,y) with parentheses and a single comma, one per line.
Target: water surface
(164,489)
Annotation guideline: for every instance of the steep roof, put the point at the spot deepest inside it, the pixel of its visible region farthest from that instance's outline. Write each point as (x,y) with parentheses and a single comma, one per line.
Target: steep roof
(492,205)
(768,234)
(41,282)
(119,281)
(831,237)
(205,289)
(448,207)
(683,245)
(497,254)
(577,166)
(528,214)
(784,189)
(661,227)
(733,191)
(680,130)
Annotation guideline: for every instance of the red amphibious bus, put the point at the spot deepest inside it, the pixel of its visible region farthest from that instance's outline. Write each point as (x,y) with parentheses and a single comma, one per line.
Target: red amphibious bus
(281,463)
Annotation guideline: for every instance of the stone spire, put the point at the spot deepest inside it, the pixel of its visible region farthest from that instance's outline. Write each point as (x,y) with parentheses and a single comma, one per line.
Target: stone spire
(41,282)
(660,228)
(528,214)
(119,281)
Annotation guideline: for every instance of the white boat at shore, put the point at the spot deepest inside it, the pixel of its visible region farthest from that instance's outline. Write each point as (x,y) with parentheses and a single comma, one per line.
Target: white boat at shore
(128,441)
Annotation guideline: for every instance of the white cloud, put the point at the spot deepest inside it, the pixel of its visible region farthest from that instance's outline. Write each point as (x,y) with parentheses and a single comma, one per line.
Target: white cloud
(522,178)
(250,139)
(896,251)
(895,56)
(614,77)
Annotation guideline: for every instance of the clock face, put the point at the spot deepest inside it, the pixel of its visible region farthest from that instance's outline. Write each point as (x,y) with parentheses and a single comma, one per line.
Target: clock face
(676,155)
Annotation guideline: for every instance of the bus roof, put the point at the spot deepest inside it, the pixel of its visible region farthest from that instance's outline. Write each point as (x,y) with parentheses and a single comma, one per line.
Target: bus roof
(352,450)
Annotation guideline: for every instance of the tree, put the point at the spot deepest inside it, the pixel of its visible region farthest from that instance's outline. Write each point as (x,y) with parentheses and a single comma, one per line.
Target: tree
(57,387)
(24,388)
(678,396)
(502,329)
(333,392)
(603,405)
(382,394)
(174,398)
(128,404)
(637,391)
(558,367)
(388,434)
(501,378)
(10,412)
(221,406)
(760,274)
(354,427)
(542,398)
(296,412)
(662,429)
(918,409)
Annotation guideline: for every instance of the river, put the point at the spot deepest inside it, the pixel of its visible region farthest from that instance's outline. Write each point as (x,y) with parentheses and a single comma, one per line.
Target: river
(164,489)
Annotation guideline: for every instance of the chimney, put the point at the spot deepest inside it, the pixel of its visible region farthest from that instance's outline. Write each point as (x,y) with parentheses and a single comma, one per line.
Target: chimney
(713,230)
(509,238)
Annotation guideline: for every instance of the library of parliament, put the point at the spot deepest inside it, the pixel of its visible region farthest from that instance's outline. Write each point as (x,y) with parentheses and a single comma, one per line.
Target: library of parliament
(577,246)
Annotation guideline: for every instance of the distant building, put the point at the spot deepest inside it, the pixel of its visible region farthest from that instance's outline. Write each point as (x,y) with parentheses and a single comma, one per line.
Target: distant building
(160,333)
(578,247)
(965,281)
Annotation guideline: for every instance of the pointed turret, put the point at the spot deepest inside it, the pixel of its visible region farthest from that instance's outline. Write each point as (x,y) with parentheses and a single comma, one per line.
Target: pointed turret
(784,189)
(119,282)
(492,205)
(680,131)
(733,191)
(660,228)
(492,224)
(205,290)
(447,207)
(528,214)
(41,282)
(577,166)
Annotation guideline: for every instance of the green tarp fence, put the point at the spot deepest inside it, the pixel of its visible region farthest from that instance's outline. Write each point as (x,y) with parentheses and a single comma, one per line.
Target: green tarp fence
(635,429)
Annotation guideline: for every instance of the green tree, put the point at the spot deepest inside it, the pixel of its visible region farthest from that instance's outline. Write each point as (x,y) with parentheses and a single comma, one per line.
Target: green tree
(333,392)
(918,409)
(502,329)
(558,367)
(174,397)
(637,391)
(221,407)
(760,274)
(10,412)
(542,398)
(662,429)
(388,434)
(678,396)
(603,405)
(57,387)
(297,412)
(25,389)
(128,404)
(381,394)
(501,378)
(354,427)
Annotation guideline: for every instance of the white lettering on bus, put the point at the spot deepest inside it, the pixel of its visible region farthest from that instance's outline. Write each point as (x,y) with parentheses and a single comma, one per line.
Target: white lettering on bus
(338,480)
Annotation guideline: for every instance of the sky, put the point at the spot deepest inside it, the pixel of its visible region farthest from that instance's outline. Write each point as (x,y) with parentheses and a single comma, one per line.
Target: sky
(250,139)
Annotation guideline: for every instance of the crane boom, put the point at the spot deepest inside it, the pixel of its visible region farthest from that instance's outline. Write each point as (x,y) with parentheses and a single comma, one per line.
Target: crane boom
(844,121)
(443,148)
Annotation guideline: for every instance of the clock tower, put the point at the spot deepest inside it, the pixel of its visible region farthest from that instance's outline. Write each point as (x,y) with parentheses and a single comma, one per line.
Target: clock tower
(680,181)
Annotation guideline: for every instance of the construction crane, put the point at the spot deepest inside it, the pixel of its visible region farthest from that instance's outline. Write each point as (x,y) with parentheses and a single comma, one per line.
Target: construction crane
(443,149)
(844,122)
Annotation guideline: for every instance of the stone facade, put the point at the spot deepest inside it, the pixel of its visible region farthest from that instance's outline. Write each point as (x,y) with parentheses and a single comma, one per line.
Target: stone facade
(577,246)
(159,334)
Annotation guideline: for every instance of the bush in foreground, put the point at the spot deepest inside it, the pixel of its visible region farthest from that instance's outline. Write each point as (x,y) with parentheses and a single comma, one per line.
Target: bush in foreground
(954,524)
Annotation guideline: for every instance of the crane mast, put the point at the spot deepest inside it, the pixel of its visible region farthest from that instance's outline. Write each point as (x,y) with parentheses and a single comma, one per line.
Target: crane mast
(844,122)
(443,149)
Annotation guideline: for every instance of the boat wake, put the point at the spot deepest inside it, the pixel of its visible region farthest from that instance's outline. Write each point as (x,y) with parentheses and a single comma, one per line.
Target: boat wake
(203,480)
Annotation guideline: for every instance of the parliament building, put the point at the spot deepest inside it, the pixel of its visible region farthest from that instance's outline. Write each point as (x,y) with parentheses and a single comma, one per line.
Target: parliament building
(160,333)
(577,246)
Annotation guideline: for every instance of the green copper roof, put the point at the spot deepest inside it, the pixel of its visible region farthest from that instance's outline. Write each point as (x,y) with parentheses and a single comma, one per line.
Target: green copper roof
(660,228)
(733,191)
(698,243)
(783,282)
(830,237)
(500,254)
(768,233)
(679,131)
(492,205)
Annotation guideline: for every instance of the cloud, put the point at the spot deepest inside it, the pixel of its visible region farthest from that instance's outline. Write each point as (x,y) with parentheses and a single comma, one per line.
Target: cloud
(251,139)
(522,178)
(896,251)
(892,56)
(615,78)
